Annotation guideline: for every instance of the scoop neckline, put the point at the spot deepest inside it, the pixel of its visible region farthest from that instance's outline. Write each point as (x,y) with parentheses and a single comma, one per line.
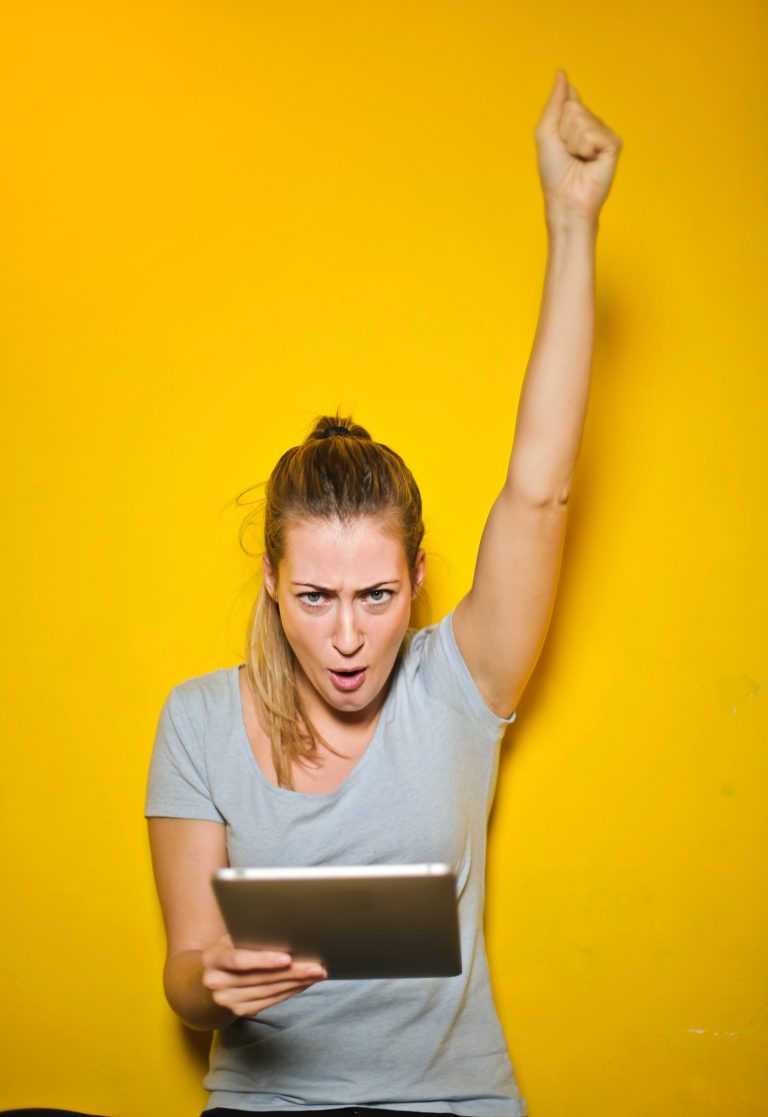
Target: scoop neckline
(314,796)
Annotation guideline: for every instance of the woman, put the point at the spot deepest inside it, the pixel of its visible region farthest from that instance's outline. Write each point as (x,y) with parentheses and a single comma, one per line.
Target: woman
(348,739)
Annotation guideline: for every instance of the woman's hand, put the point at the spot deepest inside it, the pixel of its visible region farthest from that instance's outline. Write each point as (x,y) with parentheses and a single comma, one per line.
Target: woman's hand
(577,155)
(248,981)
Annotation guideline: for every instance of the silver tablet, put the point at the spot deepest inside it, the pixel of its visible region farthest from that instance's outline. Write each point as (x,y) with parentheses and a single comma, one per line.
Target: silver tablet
(359,920)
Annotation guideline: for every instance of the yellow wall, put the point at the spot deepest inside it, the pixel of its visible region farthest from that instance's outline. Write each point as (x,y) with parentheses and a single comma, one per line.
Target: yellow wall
(221,217)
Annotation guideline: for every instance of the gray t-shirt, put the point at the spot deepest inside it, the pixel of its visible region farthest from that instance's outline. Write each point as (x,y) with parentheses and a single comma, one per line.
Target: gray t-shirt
(421,792)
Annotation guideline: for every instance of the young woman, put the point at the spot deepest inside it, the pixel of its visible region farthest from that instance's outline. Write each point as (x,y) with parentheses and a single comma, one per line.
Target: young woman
(347,738)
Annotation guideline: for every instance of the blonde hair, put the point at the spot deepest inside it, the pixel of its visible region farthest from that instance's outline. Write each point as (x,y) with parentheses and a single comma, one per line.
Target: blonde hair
(337,473)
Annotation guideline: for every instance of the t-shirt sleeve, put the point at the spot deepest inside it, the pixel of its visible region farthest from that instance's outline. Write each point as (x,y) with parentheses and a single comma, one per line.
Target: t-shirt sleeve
(178,785)
(446,677)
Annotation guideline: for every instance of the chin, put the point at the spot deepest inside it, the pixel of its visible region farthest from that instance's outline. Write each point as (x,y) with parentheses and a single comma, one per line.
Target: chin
(348,704)
(354,703)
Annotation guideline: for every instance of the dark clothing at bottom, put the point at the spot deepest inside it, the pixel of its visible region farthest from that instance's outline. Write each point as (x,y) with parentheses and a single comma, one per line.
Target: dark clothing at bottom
(347,1111)
(45,1113)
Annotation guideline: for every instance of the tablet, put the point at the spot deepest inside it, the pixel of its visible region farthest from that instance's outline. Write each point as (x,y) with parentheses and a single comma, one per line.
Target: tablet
(359,921)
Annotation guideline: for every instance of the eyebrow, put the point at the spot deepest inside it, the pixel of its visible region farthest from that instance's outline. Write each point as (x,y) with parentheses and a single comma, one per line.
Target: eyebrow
(327,589)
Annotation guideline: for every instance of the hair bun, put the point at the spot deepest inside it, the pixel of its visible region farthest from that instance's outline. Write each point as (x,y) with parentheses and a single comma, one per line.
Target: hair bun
(339,426)
(342,431)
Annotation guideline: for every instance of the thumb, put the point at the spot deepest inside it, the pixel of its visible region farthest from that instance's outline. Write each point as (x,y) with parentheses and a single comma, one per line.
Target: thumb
(553,110)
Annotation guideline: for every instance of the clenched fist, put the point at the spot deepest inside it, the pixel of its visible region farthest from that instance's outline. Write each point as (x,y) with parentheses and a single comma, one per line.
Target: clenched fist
(577,154)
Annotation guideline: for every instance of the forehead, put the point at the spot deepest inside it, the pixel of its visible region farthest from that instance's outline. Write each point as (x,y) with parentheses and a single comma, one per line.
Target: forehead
(330,551)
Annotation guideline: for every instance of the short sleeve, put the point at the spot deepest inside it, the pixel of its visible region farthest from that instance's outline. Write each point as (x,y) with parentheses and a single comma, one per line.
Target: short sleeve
(447,678)
(178,785)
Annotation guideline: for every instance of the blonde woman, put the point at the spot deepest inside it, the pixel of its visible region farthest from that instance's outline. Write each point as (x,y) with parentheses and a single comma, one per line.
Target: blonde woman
(348,738)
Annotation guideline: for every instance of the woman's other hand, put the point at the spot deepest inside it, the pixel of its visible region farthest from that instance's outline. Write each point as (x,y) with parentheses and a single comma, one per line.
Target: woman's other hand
(577,155)
(248,981)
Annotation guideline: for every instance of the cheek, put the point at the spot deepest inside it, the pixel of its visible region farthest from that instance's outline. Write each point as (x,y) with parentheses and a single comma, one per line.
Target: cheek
(397,629)
(297,632)
(301,636)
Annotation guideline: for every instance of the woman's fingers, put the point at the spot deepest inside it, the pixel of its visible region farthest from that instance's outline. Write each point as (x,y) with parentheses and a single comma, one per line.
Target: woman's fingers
(241,1000)
(549,121)
(587,142)
(238,960)
(222,955)
(585,134)
(257,1004)
(227,979)
(248,1000)
(248,981)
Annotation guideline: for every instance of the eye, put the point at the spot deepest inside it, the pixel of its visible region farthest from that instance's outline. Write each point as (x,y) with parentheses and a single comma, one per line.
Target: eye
(378,596)
(313,599)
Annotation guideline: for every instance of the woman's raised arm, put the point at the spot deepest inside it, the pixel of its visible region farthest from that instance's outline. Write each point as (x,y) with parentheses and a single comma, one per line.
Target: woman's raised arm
(501,623)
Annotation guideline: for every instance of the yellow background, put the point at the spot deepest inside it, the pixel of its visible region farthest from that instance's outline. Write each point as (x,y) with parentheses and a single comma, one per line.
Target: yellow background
(222,217)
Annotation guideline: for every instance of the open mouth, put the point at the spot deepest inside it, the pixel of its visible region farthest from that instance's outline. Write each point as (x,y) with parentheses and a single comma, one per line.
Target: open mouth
(348,680)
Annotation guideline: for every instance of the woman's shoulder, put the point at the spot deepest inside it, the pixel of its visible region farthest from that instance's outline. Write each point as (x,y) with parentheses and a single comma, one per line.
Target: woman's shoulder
(426,647)
(420,640)
(433,665)
(194,726)
(206,693)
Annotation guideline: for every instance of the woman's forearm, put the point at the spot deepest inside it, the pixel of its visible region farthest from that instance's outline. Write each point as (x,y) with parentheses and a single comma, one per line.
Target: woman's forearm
(553,400)
(188,997)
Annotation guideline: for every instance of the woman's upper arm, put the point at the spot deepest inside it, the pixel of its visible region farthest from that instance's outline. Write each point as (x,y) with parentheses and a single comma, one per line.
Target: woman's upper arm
(185,852)
(501,624)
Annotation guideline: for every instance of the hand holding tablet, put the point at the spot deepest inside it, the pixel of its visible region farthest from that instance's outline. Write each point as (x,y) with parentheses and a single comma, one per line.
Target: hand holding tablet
(245,982)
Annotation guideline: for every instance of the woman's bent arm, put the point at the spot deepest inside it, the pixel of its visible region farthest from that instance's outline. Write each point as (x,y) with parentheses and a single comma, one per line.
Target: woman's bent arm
(207,981)
(501,624)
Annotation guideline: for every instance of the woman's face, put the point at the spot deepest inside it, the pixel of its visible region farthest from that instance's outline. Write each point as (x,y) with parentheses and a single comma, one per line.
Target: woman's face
(344,592)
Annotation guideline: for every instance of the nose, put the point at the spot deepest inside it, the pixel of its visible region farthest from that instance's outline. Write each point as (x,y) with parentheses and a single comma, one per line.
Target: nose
(347,637)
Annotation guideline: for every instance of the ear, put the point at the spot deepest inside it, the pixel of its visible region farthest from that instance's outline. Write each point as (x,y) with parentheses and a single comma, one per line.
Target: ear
(419,570)
(270,578)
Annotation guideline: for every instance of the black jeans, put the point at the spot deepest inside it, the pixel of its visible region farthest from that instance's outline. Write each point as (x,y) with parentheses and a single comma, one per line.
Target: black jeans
(347,1111)
(44,1113)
